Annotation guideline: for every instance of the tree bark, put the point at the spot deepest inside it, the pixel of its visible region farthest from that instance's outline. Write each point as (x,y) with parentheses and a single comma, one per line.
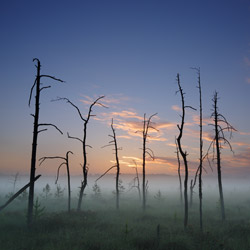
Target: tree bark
(146,126)
(201,153)
(183,154)
(13,197)
(179,171)
(34,147)
(218,157)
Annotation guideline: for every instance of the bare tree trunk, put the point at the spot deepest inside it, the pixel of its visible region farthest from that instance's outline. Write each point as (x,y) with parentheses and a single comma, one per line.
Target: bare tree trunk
(66,162)
(35,136)
(68,177)
(84,167)
(217,143)
(183,154)
(145,150)
(34,147)
(191,193)
(201,153)
(117,167)
(144,165)
(138,183)
(179,171)
(13,197)
(84,182)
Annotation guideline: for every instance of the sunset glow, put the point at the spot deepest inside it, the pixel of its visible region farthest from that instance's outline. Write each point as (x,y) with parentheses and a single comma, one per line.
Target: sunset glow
(130,53)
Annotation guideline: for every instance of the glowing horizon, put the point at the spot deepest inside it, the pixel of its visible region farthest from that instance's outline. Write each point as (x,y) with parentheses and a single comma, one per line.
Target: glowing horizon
(130,52)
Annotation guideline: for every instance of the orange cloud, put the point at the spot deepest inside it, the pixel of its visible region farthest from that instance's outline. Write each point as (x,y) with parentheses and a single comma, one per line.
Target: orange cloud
(176,108)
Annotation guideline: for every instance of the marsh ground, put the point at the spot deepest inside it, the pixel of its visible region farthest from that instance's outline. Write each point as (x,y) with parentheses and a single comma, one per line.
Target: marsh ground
(100,226)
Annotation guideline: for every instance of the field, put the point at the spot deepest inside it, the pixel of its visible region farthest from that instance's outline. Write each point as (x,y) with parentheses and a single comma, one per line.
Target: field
(101,226)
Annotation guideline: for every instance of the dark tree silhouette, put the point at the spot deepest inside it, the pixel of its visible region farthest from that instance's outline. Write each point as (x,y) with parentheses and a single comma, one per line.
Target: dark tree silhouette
(117,166)
(201,158)
(36,131)
(179,170)
(84,143)
(135,183)
(145,151)
(220,126)
(201,150)
(183,154)
(65,162)
(13,197)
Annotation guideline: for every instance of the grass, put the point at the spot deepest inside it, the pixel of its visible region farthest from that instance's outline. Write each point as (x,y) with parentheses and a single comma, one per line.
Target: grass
(99,226)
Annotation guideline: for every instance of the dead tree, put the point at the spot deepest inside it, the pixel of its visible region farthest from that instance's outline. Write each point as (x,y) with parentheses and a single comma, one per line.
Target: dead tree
(36,131)
(192,185)
(135,183)
(201,151)
(201,158)
(83,141)
(220,126)
(146,151)
(183,154)
(179,170)
(13,197)
(66,163)
(117,166)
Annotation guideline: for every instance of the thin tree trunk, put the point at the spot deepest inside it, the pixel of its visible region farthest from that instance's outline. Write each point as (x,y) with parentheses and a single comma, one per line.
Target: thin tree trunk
(13,197)
(201,153)
(69,189)
(183,154)
(144,137)
(34,148)
(138,183)
(179,171)
(144,174)
(84,167)
(117,168)
(191,193)
(217,143)
(145,150)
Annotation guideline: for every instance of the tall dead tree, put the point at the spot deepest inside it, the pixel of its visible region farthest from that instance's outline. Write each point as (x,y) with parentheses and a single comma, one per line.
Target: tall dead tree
(136,180)
(220,126)
(201,157)
(83,141)
(66,163)
(36,131)
(183,154)
(201,150)
(145,151)
(117,165)
(179,170)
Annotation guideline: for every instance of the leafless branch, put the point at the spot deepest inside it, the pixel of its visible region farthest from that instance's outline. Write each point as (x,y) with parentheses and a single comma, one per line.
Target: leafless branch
(105,173)
(57,176)
(190,107)
(76,138)
(68,101)
(46,87)
(18,193)
(52,77)
(42,130)
(50,124)
(31,90)
(42,159)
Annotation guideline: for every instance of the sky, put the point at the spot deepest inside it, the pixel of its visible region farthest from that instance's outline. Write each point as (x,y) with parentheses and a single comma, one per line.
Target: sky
(130,52)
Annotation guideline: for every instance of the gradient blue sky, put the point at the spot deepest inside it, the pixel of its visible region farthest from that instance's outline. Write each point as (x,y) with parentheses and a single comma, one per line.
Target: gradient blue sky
(129,51)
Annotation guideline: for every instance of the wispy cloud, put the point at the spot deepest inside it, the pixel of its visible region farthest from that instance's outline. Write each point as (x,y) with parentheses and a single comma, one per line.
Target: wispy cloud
(176,108)
(109,100)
